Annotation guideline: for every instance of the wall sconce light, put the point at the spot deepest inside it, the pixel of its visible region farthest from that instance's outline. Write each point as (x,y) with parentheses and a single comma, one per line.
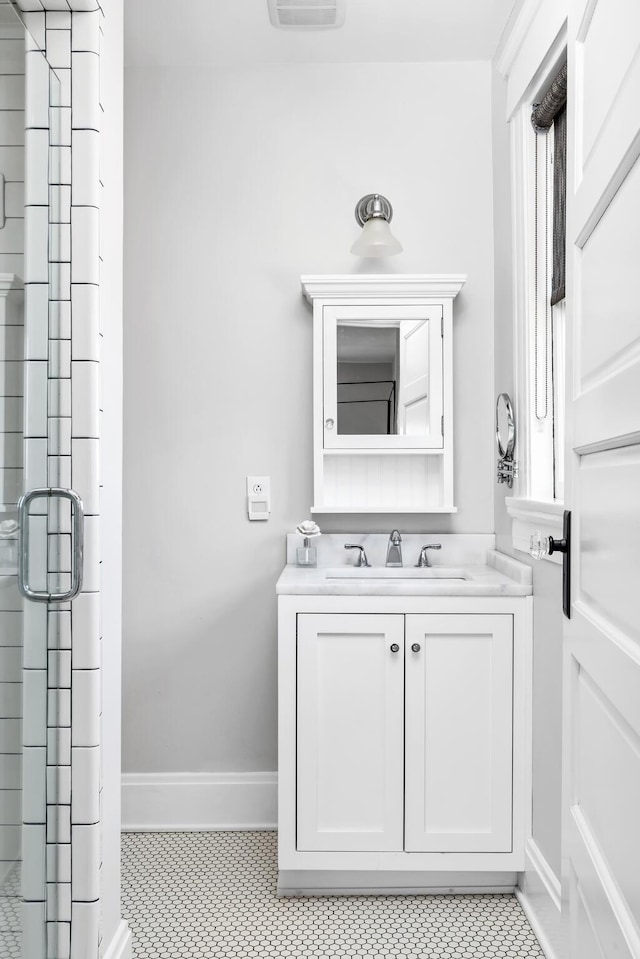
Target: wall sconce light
(373,213)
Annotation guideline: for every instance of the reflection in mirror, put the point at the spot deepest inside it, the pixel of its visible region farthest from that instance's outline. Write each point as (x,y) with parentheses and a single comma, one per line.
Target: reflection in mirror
(382,375)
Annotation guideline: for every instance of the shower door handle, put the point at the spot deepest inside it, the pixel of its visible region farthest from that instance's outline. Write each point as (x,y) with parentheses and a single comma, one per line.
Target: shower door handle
(77,547)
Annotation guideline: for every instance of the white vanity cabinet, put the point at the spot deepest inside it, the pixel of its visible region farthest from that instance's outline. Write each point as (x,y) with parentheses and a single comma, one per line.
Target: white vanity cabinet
(401,744)
(404,733)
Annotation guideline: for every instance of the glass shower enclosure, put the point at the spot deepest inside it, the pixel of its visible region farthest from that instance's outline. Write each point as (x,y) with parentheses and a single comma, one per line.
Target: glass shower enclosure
(40,517)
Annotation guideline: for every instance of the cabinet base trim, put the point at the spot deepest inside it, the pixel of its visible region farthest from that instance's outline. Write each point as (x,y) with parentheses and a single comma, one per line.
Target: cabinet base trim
(357,883)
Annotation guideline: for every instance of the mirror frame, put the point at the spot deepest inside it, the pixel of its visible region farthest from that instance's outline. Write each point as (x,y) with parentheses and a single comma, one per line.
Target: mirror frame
(507,466)
(506,452)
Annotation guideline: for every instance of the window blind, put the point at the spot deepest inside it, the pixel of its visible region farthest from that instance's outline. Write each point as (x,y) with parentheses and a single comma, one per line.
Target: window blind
(552,111)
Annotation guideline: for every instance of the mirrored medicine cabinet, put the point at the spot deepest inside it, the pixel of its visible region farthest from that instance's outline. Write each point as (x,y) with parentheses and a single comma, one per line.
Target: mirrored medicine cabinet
(383,417)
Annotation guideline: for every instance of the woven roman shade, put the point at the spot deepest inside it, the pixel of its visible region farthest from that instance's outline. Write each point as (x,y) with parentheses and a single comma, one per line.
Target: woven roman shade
(552,111)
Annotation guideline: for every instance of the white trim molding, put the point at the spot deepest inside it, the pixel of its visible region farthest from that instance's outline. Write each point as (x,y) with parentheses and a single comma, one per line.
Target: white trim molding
(120,945)
(543,871)
(357,286)
(68,6)
(166,802)
(514,36)
(537,34)
(539,894)
(352,882)
(530,516)
(528,58)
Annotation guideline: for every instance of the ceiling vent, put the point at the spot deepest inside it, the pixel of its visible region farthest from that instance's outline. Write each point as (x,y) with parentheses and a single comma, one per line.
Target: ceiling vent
(307,14)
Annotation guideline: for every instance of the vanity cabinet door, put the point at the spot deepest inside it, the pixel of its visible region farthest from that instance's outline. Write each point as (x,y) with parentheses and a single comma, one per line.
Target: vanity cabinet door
(459,733)
(350,703)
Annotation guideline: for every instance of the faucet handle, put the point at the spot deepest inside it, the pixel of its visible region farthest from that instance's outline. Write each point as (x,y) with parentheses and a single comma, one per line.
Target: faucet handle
(362,556)
(424,559)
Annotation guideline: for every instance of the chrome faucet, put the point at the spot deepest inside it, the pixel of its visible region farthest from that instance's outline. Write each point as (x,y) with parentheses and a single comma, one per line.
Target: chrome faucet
(424,559)
(394,549)
(362,556)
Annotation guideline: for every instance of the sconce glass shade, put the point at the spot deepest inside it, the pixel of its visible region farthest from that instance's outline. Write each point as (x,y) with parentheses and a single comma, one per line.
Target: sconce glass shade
(376,239)
(373,213)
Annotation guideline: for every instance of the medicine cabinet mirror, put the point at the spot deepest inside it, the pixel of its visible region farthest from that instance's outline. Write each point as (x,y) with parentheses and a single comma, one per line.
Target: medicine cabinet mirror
(383,377)
(383,416)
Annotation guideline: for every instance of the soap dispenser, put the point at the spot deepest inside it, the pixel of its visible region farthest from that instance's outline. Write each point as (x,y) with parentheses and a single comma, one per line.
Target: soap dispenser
(307,555)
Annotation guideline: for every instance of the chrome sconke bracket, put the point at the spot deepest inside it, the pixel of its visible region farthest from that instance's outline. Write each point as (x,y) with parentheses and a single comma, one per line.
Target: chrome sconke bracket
(507,471)
(505,422)
(371,206)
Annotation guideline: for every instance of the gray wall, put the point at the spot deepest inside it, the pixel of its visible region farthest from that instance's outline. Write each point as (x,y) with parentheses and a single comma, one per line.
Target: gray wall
(547,626)
(238,181)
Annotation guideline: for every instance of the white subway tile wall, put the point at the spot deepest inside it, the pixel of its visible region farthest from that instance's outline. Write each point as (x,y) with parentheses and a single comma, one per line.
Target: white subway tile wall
(11,398)
(62,418)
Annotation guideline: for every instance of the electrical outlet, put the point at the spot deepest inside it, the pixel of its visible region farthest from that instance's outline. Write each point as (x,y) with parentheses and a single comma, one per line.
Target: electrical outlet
(258,486)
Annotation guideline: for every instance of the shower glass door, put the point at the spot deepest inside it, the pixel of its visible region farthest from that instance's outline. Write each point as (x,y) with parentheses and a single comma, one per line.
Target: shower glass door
(35,709)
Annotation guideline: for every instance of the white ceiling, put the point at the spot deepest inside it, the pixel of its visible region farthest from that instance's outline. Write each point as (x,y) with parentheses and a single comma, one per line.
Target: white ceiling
(227,32)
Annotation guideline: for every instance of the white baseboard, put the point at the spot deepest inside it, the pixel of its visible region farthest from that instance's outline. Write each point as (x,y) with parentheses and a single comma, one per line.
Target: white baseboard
(540,897)
(120,945)
(6,868)
(541,868)
(166,802)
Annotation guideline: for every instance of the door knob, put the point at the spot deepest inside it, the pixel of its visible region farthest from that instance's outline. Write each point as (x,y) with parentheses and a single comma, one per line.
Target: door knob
(415,648)
(394,648)
(540,546)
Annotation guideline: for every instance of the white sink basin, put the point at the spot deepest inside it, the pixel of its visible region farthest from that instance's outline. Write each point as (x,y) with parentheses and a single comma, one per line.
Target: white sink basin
(390,572)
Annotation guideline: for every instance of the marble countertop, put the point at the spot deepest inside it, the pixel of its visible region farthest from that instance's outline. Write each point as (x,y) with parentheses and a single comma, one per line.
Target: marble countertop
(486,572)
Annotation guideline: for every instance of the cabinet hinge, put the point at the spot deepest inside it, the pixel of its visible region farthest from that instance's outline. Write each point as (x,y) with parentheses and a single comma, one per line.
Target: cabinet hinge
(442,327)
(442,425)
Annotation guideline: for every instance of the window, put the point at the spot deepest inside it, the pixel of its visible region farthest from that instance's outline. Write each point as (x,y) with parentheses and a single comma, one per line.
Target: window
(546,463)
(539,138)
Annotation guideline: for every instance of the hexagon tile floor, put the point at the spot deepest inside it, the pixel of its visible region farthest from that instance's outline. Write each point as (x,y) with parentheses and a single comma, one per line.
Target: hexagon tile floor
(212,896)
(10,914)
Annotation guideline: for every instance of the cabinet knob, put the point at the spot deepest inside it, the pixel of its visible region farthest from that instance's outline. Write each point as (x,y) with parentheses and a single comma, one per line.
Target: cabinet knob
(394,648)
(415,647)
(329,423)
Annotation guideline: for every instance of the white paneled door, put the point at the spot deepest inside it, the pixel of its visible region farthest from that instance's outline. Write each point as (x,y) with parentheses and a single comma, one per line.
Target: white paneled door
(420,377)
(602,638)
